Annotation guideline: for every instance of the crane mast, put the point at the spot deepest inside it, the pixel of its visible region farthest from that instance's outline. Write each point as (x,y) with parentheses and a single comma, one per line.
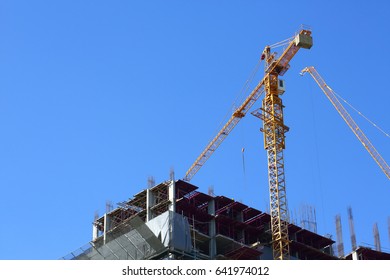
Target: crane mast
(274,140)
(274,129)
(274,143)
(348,119)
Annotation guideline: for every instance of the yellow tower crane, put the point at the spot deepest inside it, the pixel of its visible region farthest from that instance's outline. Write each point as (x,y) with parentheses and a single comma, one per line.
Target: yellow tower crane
(274,129)
(348,119)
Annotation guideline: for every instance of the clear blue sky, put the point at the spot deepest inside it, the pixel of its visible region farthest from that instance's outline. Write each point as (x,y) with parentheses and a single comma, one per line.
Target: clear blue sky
(95,96)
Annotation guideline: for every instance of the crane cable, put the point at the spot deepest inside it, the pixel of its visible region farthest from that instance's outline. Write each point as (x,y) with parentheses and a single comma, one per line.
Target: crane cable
(243,160)
(282,43)
(317,165)
(361,114)
(244,90)
(241,95)
(243,166)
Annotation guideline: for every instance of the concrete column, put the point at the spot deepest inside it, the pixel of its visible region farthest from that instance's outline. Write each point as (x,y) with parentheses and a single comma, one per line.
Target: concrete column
(172,206)
(240,218)
(172,195)
(355,256)
(95,232)
(212,230)
(149,204)
(107,226)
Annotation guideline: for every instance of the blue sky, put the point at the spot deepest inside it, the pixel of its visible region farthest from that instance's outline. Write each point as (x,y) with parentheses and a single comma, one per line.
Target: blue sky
(96,96)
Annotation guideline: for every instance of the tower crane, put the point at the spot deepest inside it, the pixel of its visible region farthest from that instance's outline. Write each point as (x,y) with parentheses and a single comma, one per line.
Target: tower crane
(274,129)
(348,119)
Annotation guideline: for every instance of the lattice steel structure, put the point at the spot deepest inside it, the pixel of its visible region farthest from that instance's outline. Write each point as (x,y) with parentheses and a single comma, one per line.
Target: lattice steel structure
(332,96)
(274,143)
(275,64)
(274,130)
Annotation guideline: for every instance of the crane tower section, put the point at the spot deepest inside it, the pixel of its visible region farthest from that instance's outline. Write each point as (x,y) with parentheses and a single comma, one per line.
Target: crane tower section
(274,143)
(274,131)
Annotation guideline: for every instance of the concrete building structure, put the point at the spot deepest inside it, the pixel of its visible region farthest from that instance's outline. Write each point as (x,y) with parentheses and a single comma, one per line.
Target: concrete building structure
(173,220)
(365,253)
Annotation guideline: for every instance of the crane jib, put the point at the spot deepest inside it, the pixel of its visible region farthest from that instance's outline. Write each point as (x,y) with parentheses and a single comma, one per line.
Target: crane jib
(302,40)
(349,120)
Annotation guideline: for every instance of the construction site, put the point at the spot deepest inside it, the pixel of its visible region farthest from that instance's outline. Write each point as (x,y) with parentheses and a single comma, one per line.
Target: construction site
(174,220)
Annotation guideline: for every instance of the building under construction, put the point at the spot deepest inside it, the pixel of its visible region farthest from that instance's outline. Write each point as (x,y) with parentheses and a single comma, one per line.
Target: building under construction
(173,220)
